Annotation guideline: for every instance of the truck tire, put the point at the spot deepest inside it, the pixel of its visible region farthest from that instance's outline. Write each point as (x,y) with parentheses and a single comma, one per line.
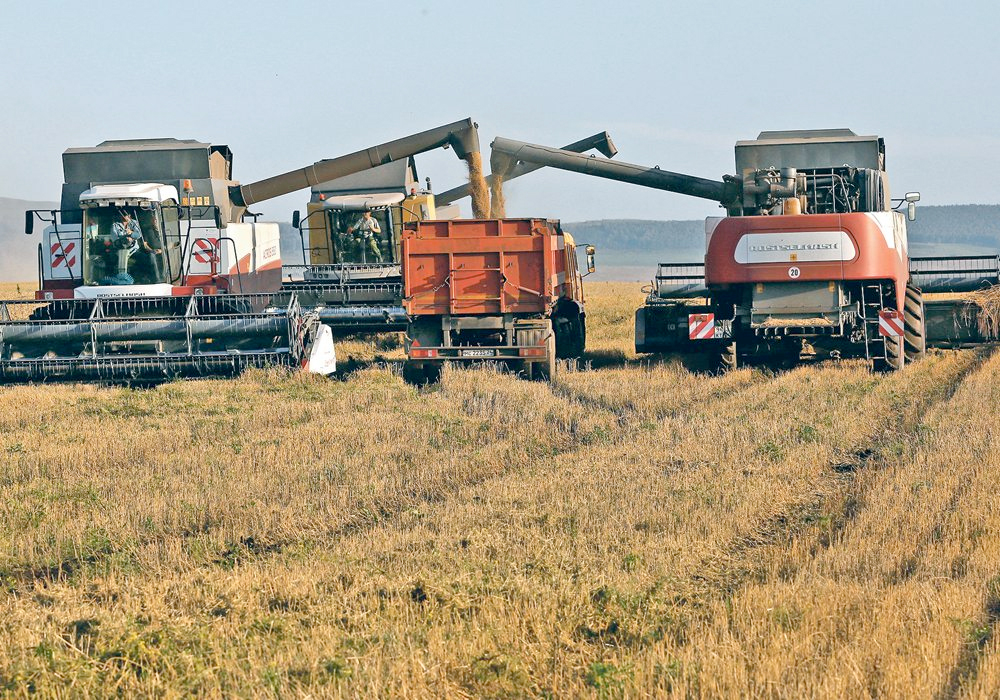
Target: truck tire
(569,336)
(420,373)
(577,336)
(413,372)
(914,337)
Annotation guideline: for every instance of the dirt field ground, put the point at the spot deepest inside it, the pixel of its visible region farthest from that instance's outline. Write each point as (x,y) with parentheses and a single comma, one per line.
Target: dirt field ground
(633,529)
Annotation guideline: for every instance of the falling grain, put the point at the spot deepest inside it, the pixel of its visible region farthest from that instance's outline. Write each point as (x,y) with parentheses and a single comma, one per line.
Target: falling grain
(477,186)
(498,206)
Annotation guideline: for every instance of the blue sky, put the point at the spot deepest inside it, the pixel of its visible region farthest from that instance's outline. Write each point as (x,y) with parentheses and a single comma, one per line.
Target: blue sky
(676,84)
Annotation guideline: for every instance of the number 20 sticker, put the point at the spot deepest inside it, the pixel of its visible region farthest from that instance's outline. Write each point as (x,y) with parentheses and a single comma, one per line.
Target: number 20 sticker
(794,272)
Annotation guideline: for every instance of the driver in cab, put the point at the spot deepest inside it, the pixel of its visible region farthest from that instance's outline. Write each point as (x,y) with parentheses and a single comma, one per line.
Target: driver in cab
(366,230)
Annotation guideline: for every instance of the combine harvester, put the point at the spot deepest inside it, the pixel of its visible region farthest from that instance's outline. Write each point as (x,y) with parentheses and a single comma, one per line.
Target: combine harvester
(355,280)
(810,261)
(154,269)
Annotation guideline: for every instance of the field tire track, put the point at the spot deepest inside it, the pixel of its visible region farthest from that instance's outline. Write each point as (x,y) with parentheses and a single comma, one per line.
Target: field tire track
(843,496)
(384,516)
(379,515)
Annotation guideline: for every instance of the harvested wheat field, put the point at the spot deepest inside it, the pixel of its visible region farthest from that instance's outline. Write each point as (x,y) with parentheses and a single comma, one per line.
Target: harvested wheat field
(634,529)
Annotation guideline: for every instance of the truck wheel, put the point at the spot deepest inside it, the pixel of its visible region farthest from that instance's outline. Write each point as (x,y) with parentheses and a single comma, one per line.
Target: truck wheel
(545,370)
(915,337)
(413,373)
(432,372)
(420,373)
(727,357)
(576,338)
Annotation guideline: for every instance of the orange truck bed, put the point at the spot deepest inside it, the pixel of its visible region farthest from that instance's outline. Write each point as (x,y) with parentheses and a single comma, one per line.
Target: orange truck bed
(483,267)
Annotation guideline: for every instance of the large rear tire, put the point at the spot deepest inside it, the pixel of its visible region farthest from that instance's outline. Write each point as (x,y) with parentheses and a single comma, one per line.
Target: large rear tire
(895,355)
(420,373)
(914,336)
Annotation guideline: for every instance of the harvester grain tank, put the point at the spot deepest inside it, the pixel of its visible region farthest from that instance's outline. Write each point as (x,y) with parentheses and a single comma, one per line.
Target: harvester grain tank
(153,267)
(504,290)
(811,259)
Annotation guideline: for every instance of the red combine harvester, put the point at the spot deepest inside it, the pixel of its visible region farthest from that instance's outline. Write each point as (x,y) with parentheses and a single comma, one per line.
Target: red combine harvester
(506,290)
(811,260)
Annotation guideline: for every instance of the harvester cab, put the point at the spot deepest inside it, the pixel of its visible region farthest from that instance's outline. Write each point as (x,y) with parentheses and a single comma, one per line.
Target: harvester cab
(338,245)
(131,236)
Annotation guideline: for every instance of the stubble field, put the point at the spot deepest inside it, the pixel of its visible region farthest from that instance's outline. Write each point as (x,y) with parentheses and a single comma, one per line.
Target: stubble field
(633,529)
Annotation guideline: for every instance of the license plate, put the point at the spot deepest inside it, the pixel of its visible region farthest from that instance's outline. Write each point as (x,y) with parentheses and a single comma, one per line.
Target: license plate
(478,352)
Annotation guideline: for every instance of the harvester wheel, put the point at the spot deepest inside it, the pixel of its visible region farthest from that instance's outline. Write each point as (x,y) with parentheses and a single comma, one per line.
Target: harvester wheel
(895,356)
(915,341)
(727,357)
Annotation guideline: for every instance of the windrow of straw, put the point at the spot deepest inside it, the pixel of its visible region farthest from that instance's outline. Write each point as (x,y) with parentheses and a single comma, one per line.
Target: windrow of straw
(987,303)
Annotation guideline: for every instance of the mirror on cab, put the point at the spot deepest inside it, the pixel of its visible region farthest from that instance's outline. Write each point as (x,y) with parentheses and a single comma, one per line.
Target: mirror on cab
(591,251)
(218,218)
(911,205)
(29,222)
(296,219)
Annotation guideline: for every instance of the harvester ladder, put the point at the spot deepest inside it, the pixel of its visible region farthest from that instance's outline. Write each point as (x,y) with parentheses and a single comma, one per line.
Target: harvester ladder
(871,304)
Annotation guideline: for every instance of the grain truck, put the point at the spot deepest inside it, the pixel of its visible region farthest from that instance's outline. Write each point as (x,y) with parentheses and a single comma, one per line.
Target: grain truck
(503,290)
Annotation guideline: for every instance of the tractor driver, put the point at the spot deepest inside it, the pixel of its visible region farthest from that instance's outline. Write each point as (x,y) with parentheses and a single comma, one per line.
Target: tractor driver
(366,231)
(130,239)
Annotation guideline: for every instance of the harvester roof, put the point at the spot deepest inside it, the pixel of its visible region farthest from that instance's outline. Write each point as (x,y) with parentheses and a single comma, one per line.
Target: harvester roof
(147,160)
(361,202)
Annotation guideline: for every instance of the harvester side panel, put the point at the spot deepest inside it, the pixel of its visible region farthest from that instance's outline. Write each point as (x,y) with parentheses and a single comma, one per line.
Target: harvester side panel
(62,253)
(815,247)
(250,257)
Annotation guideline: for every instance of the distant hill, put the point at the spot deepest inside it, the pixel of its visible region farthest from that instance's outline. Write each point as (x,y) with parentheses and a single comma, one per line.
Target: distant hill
(961,225)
